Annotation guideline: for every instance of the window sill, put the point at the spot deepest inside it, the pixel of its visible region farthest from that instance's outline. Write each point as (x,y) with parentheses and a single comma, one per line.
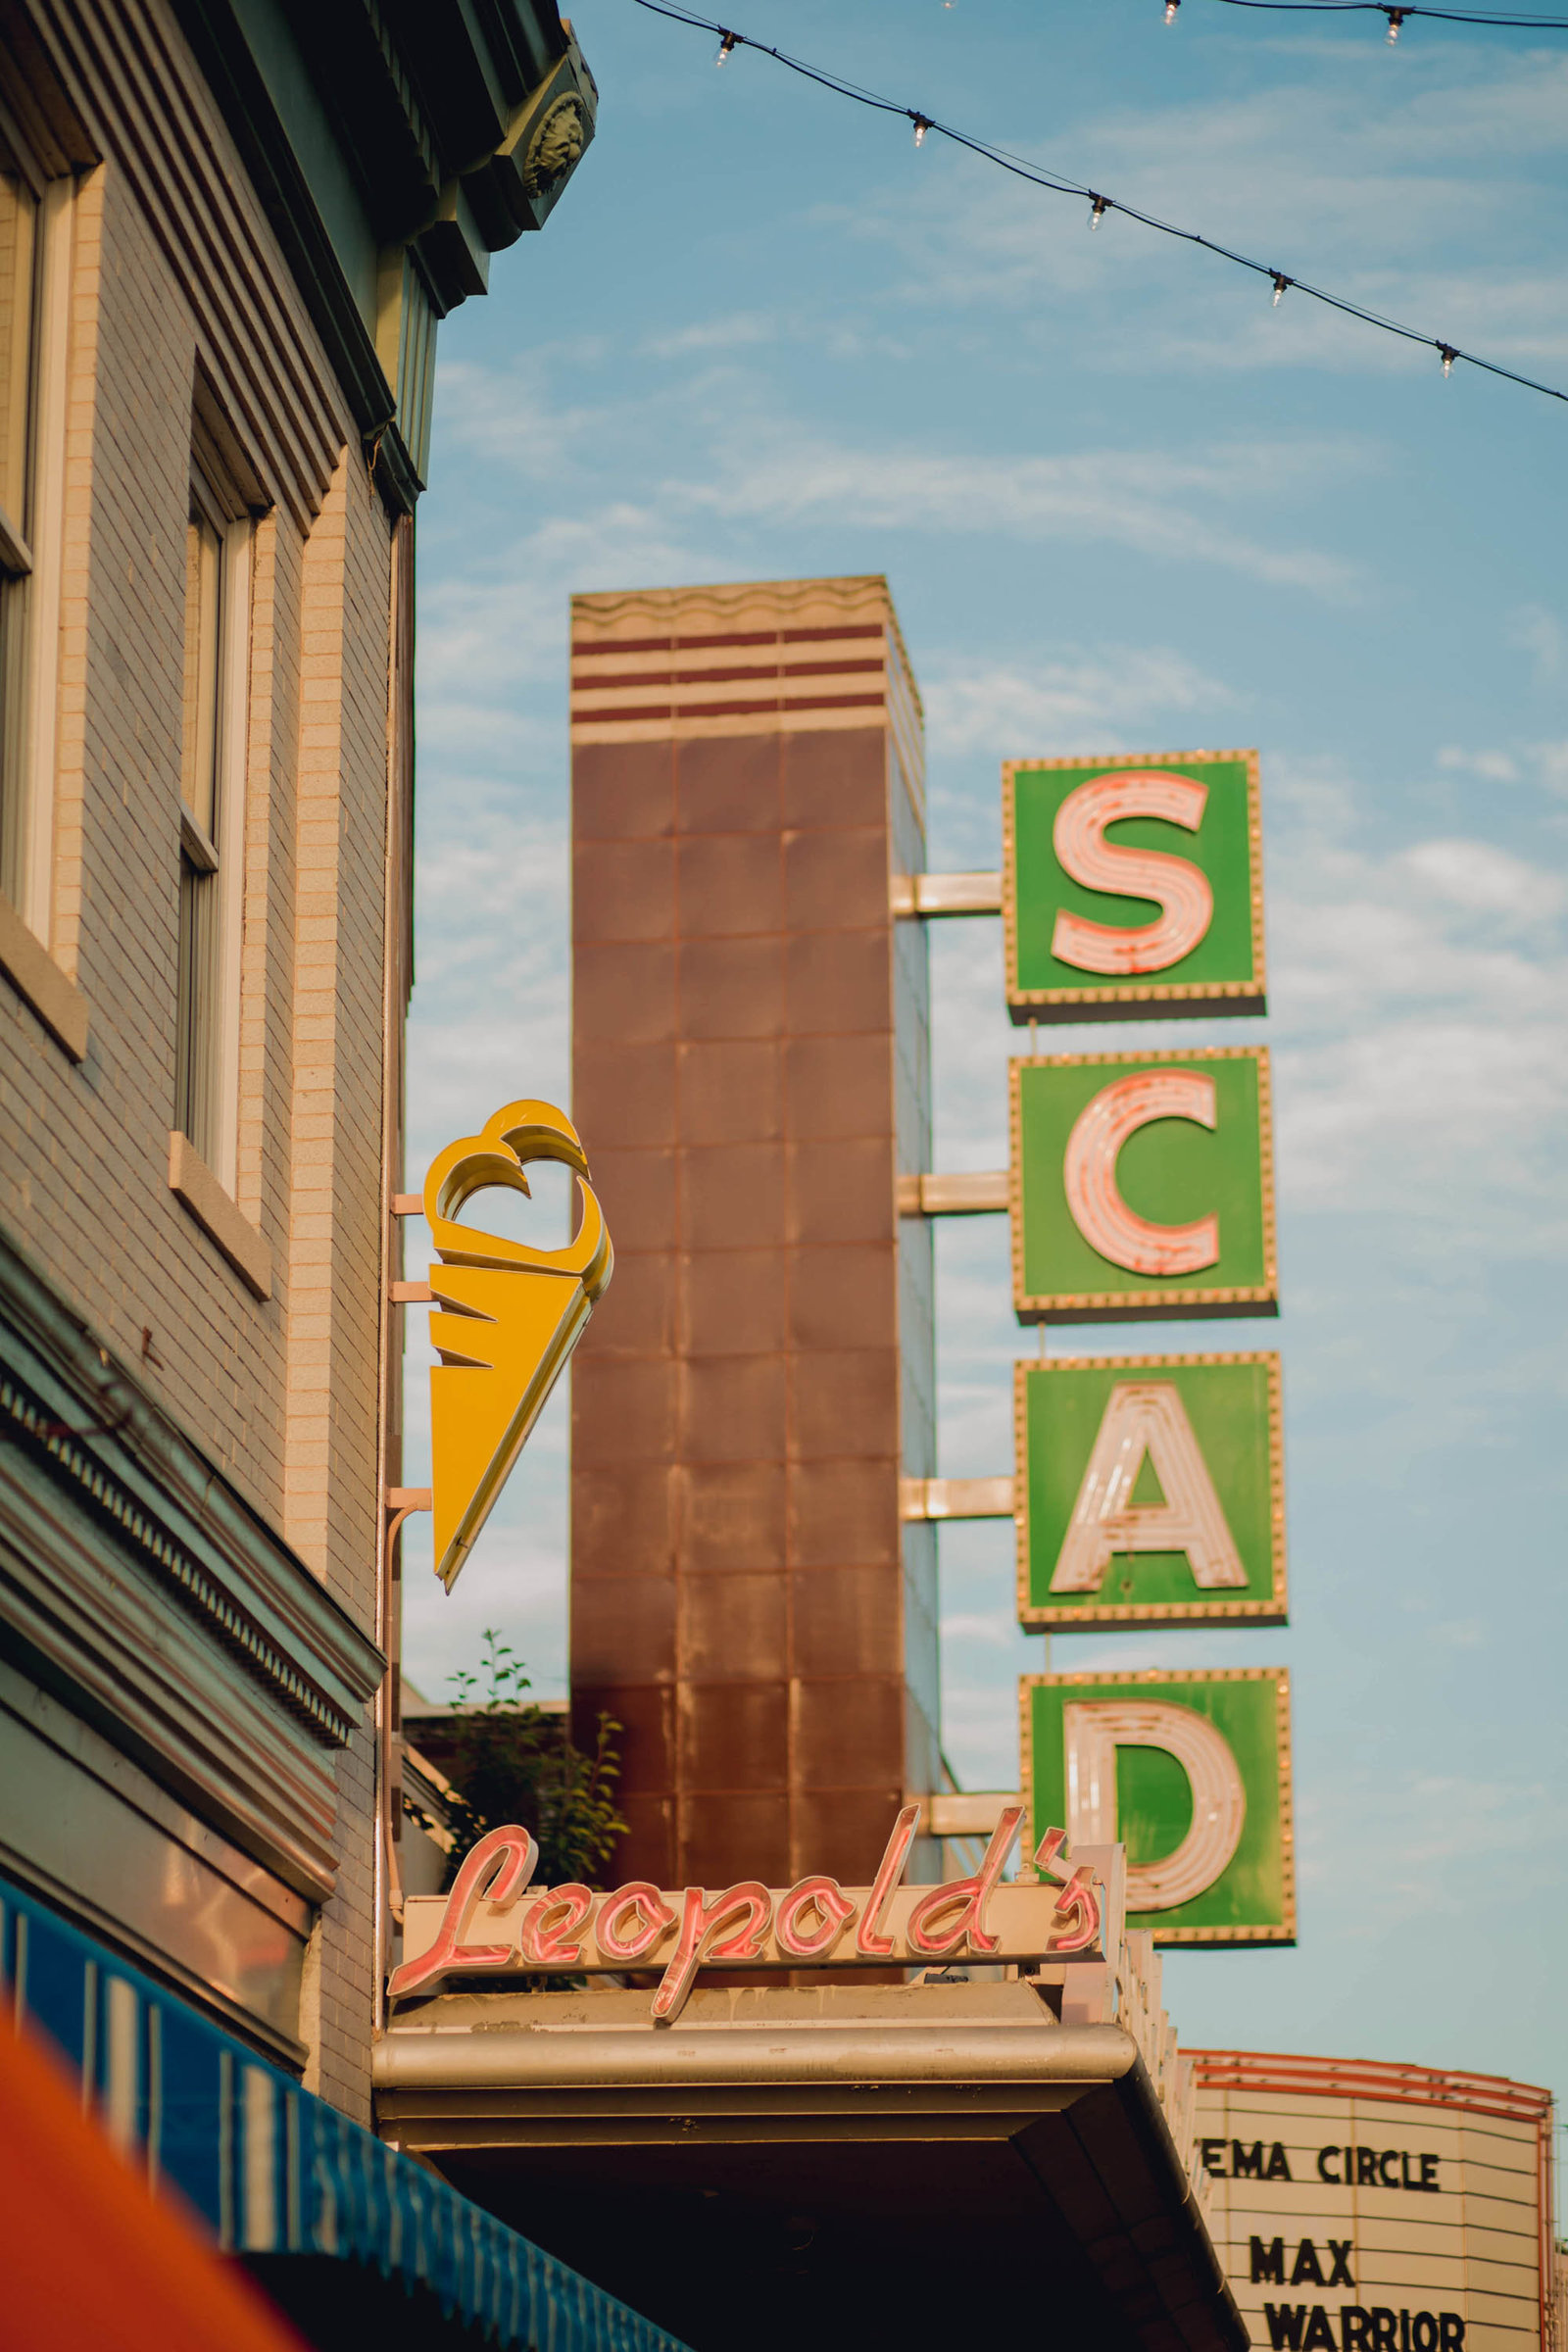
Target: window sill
(35,975)
(197,1188)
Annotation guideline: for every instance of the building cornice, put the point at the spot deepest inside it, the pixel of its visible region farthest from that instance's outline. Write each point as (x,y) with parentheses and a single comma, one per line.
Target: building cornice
(153,1598)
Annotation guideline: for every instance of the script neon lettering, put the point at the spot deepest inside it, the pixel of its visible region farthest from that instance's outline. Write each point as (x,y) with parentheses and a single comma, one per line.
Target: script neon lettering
(502,1862)
(1180,889)
(547,1925)
(1077,1900)
(833,1912)
(636,1899)
(701,1916)
(869,1941)
(942,1920)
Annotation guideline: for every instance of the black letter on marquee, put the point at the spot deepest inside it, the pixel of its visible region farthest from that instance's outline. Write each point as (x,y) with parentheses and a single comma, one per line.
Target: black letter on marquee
(1385,2327)
(1323,2172)
(1429,2179)
(1449,2321)
(1278,2169)
(1340,2248)
(1285,2325)
(1388,2157)
(1268,2262)
(1308,2271)
(1366,2167)
(1213,2155)
(1353,2327)
(1246,2164)
(1319,2336)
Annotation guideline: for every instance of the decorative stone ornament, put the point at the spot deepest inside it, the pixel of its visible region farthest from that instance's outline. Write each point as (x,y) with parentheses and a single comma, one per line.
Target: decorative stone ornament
(556,145)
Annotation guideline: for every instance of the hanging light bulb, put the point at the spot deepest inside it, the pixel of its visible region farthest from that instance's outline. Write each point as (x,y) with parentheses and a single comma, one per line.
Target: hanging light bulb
(1171,6)
(1397,17)
(1450,355)
(730,42)
(1099,207)
(1281,281)
(922,125)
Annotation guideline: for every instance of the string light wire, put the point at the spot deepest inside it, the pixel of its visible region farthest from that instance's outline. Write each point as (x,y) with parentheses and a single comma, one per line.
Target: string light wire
(1040,175)
(1377,8)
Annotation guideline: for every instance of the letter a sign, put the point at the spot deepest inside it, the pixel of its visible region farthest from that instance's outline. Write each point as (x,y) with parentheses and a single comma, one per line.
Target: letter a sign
(1150,1488)
(1132,888)
(1141,1186)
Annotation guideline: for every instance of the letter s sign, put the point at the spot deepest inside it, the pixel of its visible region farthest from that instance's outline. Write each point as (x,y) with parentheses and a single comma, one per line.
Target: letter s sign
(1180,889)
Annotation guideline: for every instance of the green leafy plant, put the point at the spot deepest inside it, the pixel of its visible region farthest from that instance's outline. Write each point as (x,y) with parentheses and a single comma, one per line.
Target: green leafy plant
(513,1760)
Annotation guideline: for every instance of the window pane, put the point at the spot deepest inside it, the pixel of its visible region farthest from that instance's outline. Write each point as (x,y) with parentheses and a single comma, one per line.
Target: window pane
(198,766)
(14,596)
(18,220)
(195,1075)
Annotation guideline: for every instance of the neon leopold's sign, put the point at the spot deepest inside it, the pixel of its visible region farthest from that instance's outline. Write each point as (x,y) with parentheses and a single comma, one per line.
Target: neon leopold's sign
(485,1925)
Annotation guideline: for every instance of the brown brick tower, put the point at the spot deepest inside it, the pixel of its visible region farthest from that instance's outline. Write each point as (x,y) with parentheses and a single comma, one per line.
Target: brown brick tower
(752,1070)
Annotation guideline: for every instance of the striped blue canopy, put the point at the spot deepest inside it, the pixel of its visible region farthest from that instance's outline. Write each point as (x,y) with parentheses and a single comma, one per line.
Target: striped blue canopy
(273,2169)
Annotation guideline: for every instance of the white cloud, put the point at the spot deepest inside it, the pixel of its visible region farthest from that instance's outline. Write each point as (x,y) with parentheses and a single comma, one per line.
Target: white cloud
(995,1630)
(1542,636)
(1153,501)
(741,330)
(1397,1839)
(1492,767)
(1486,880)
(997,707)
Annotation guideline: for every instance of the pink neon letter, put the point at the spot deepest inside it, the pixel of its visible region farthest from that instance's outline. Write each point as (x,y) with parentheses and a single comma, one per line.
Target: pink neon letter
(546,1946)
(834,1911)
(510,1854)
(966,1898)
(1089,1171)
(698,1919)
(656,1915)
(869,1942)
(1077,1894)
(1178,886)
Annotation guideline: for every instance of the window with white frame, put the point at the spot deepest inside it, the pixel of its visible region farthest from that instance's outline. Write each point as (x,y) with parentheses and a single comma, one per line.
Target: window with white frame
(35,233)
(212,813)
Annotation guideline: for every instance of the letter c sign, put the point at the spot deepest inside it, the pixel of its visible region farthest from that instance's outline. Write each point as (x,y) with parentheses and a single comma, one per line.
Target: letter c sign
(1099,1210)
(1142,1183)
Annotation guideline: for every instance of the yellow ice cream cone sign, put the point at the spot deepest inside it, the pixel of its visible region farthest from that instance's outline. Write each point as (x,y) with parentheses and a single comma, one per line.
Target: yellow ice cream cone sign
(506,1317)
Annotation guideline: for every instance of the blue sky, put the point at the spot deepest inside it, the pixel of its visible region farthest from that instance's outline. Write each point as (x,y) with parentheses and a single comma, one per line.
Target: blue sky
(1123,502)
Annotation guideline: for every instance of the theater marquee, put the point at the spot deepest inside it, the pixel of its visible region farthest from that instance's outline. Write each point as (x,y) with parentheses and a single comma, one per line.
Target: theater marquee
(1363,2207)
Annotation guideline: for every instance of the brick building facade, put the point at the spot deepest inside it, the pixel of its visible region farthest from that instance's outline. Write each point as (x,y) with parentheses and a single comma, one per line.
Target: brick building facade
(229,236)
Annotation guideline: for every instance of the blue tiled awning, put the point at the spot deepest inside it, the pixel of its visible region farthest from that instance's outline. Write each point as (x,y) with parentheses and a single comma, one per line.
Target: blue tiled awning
(272,2169)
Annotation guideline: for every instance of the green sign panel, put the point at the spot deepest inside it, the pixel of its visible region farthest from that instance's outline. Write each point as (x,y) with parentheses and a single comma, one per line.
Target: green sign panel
(1141,1186)
(1150,1488)
(1132,887)
(1191,1772)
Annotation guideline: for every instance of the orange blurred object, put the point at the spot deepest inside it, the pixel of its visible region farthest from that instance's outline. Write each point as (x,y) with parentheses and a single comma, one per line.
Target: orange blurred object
(92,2260)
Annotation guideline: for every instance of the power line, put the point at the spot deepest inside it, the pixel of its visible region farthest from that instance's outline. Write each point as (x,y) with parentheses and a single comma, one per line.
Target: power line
(1040,175)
